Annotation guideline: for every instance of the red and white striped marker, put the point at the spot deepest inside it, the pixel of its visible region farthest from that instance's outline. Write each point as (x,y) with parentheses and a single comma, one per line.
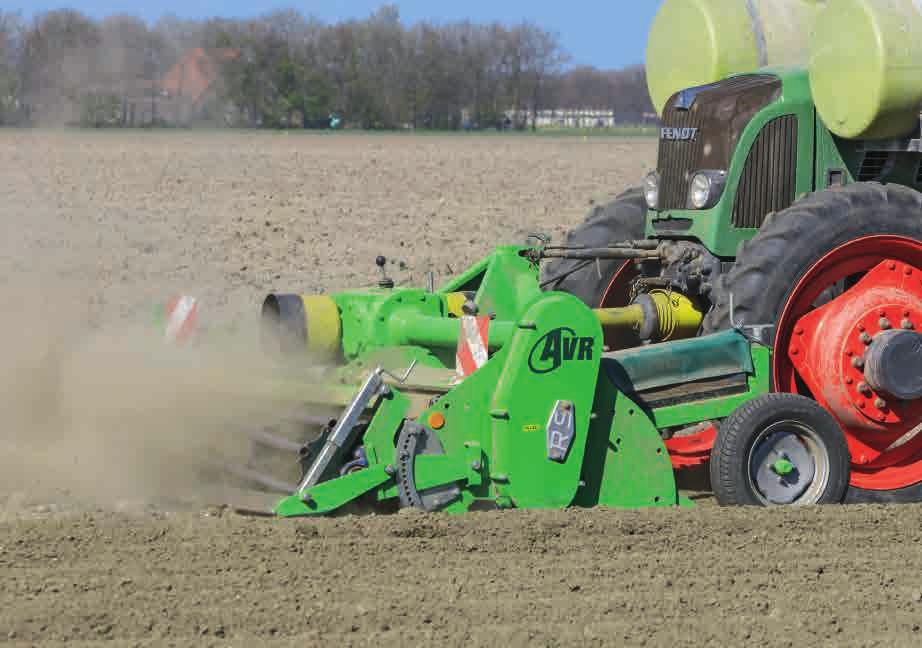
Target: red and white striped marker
(181,317)
(472,345)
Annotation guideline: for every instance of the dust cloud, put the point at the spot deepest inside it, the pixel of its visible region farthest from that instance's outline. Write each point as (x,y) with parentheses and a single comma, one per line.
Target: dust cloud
(111,415)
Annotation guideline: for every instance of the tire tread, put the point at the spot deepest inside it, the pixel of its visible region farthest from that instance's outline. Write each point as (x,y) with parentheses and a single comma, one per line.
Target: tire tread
(769,265)
(623,219)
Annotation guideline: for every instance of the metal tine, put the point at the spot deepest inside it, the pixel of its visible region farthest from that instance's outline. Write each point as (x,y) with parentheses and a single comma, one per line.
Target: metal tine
(273,441)
(259,478)
(309,419)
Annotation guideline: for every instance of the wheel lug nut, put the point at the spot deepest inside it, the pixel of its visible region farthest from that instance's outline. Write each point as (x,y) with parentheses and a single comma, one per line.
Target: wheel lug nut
(907,325)
(864,388)
(866,339)
(880,404)
(858,363)
(885,324)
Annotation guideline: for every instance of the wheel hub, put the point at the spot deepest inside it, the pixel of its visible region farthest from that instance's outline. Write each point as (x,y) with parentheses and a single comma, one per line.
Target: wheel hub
(781,466)
(893,362)
(859,356)
(869,364)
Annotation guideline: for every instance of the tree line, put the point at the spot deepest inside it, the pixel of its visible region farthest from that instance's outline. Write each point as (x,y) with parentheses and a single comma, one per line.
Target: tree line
(289,70)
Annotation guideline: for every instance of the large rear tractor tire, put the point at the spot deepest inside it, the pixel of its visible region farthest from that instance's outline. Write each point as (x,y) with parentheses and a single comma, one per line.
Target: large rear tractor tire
(770,265)
(814,255)
(623,219)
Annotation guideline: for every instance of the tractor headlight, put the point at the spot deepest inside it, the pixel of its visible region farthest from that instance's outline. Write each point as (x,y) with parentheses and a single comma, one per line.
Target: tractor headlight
(706,189)
(651,189)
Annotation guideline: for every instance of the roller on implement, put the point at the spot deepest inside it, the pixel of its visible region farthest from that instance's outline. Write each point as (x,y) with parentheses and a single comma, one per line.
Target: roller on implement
(747,321)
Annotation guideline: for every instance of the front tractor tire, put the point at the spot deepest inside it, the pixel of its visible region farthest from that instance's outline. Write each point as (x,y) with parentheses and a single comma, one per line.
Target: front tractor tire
(780,450)
(622,220)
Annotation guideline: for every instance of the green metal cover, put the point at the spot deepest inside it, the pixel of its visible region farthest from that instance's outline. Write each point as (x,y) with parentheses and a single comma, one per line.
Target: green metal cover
(548,422)
(683,361)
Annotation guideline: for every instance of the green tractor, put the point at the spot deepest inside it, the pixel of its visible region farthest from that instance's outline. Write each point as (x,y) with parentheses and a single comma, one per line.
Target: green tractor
(752,312)
(786,201)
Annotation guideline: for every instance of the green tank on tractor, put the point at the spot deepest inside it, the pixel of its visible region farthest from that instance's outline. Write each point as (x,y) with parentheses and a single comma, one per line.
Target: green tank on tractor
(750,314)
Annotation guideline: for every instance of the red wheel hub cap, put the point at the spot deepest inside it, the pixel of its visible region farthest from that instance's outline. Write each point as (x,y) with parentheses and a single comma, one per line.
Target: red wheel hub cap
(820,351)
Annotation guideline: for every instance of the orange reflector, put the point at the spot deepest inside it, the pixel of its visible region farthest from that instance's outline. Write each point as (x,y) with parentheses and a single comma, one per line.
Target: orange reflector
(436,420)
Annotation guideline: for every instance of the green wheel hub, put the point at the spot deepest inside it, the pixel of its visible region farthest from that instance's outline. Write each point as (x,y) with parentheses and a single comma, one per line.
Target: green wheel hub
(783,467)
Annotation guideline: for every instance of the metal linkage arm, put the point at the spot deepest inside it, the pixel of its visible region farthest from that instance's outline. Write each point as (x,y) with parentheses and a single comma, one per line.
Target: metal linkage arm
(342,432)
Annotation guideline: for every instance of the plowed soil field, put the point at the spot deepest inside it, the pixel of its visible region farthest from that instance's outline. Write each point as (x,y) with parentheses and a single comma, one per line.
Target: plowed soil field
(107,534)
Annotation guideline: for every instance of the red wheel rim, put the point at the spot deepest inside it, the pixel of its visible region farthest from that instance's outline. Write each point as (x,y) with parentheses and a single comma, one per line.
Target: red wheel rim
(618,292)
(900,467)
(853,258)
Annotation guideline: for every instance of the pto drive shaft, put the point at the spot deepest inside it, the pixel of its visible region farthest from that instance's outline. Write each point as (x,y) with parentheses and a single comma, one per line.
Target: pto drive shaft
(657,316)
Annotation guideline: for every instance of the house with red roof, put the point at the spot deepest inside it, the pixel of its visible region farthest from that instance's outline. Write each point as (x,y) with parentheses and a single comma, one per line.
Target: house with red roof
(188,94)
(192,85)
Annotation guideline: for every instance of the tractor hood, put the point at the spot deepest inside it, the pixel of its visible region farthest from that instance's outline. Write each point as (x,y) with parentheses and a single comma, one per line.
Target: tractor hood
(746,130)
(702,128)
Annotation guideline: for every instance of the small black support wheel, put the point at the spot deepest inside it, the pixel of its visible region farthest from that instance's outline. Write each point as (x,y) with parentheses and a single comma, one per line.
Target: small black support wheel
(780,450)
(623,219)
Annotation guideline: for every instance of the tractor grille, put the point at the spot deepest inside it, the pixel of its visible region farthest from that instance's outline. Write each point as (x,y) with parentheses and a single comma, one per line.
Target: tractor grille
(720,112)
(768,180)
(678,160)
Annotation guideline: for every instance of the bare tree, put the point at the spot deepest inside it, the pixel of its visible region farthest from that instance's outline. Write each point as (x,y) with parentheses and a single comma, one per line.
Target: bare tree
(542,58)
(11,32)
(59,60)
(288,70)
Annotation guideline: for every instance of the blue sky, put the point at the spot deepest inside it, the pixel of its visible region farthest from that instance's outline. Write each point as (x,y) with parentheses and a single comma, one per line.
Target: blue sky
(606,33)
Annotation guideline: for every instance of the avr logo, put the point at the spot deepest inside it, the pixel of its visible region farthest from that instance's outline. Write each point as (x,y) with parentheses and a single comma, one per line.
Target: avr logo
(559,346)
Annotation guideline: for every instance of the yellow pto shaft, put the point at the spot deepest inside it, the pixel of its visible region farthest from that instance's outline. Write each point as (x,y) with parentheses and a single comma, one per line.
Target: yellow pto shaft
(657,316)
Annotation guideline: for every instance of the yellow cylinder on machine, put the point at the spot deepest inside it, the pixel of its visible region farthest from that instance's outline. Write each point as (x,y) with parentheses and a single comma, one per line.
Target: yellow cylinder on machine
(676,315)
(696,42)
(866,67)
(628,317)
(455,302)
(298,324)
